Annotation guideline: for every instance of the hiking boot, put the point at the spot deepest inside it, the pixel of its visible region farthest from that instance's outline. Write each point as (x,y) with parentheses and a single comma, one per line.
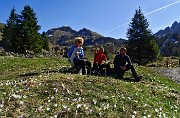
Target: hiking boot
(138,78)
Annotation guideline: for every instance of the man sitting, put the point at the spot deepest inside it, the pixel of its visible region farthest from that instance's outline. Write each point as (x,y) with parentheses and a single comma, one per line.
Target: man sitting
(99,57)
(76,55)
(123,63)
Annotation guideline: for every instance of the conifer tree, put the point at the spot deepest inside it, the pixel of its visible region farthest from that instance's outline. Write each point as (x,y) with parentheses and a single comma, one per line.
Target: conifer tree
(29,37)
(9,33)
(1,31)
(45,43)
(21,32)
(142,47)
(1,27)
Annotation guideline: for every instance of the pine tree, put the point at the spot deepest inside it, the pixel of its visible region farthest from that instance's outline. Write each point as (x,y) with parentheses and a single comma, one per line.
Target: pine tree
(1,27)
(29,37)
(45,43)
(141,46)
(1,31)
(9,33)
(21,32)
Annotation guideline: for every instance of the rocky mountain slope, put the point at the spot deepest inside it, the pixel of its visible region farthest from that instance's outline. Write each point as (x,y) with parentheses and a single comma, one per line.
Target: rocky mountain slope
(175,28)
(169,40)
(64,36)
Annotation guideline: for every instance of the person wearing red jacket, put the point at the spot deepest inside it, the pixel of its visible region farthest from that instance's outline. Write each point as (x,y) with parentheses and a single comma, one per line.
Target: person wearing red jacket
(99,58)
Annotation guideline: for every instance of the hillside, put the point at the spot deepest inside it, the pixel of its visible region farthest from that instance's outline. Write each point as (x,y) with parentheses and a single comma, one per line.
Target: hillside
(64,36)
(38,88)
(169,40)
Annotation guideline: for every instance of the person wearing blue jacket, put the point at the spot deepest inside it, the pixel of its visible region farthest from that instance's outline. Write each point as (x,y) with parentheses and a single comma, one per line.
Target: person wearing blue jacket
(76,55)
(123,63)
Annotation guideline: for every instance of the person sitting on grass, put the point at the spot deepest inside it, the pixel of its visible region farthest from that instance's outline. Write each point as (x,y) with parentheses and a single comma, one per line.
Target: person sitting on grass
(99,57)
(76,55)
(123,63)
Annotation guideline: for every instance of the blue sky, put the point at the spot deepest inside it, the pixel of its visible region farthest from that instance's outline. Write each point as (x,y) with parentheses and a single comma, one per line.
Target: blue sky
(107,17)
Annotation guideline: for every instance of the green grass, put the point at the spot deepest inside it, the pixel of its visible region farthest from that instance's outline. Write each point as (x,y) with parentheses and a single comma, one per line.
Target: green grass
(70,95)
(11,67)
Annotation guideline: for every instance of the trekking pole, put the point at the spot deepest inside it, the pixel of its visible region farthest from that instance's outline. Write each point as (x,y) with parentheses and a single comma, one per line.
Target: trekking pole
(90,72)
(105,71)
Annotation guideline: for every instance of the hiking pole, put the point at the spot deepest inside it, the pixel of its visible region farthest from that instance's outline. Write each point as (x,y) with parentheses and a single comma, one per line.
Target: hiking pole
(105,71)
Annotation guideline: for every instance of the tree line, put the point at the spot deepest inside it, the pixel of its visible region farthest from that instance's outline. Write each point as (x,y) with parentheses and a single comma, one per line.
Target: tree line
(21,32)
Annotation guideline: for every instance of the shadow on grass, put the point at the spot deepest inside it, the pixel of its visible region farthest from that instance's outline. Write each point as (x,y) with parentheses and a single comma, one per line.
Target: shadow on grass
(29,74)
(128,79)
(42,71)
(72,71)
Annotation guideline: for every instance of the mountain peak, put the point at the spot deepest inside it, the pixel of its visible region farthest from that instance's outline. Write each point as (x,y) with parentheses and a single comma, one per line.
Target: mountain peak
(88,33)
(84,30)
(175,28)
(63,28)
(174,25)
(167,29)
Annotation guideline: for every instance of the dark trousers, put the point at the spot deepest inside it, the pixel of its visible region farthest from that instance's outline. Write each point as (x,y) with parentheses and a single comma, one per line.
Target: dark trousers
(99,67)
(120,72)
(83,64)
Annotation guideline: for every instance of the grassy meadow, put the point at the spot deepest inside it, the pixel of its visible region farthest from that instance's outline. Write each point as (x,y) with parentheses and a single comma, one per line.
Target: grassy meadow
(35,87)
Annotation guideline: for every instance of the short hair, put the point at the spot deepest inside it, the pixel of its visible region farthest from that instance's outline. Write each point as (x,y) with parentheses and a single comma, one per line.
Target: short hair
(79,39)
(123,48)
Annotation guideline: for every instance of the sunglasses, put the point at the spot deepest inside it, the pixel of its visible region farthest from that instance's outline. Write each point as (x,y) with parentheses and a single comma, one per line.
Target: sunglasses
(79,42)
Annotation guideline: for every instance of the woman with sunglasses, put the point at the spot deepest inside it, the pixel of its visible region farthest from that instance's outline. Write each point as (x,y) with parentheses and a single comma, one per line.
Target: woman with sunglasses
(76,55)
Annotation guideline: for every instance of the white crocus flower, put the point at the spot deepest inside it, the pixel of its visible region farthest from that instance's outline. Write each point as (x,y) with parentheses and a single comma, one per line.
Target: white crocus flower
(48,109)
(64,106)
(40,108)
(94,102)
(133,116)
(1,105)
(79,105)
(21,102)
(134,112)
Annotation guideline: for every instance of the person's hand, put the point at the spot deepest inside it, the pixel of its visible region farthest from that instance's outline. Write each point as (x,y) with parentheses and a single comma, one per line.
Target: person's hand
(78,53)
(123,68)
(103,62)
(96,45)
(106,62)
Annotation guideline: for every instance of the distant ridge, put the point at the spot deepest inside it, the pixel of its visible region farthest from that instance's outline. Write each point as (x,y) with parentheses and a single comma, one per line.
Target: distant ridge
(64,36)
(169,40)
(175,28)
